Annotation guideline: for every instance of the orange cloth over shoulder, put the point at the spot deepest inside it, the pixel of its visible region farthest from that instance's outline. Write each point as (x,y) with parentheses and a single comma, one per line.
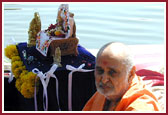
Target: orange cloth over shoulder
(137,98)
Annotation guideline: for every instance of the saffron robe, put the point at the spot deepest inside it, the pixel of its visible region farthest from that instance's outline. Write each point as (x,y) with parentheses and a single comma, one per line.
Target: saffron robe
(136,98)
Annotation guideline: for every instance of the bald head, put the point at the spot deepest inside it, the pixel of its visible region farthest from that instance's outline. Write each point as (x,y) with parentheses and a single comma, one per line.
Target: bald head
(119,51)
(114,70)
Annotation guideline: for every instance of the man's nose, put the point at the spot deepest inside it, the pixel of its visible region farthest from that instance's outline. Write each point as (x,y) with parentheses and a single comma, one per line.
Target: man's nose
(105,78)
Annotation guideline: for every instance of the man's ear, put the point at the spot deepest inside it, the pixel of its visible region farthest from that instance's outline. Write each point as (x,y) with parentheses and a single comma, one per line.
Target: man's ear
(131,74)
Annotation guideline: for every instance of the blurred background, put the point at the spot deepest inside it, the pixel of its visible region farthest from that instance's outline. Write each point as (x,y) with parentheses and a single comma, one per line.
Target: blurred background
(137,23)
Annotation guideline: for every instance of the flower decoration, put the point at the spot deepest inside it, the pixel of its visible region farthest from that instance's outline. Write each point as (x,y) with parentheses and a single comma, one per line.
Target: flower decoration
(25,81)
(55,30)
(15,58)
(62,26)
(11,51)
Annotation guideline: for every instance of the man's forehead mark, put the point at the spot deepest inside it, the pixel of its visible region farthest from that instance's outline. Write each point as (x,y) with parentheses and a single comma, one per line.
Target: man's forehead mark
(104,62)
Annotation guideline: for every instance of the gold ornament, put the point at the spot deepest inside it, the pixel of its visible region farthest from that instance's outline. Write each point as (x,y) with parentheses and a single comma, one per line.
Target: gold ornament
(34,28)
(57,57)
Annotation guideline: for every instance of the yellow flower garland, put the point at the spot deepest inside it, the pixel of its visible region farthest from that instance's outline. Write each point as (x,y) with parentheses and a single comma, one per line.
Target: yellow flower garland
(25,81)
(11,51)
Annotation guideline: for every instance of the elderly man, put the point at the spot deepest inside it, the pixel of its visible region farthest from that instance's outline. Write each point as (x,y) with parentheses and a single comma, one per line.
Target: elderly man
(118,87)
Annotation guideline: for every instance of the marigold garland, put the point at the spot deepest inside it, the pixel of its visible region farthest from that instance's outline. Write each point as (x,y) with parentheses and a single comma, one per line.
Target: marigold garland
(18,84)
(15,58)
(11,51)
(25,81)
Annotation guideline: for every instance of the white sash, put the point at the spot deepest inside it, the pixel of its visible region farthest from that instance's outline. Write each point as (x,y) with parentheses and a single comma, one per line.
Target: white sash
(45,80)
(73,69)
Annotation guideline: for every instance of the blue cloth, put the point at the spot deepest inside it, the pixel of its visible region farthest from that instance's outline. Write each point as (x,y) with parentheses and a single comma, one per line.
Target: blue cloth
(83,85)
(34,59)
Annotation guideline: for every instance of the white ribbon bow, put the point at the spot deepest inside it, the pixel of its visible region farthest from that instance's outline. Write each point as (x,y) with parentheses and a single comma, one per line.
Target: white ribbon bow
(73,69)
(45,80)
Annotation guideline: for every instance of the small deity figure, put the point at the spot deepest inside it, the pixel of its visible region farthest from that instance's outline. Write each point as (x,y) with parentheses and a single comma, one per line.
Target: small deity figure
(63,19)
(34,28)
(57,57)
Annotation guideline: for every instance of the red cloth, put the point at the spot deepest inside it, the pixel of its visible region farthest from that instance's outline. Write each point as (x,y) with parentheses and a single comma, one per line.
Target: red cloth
(156,77)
